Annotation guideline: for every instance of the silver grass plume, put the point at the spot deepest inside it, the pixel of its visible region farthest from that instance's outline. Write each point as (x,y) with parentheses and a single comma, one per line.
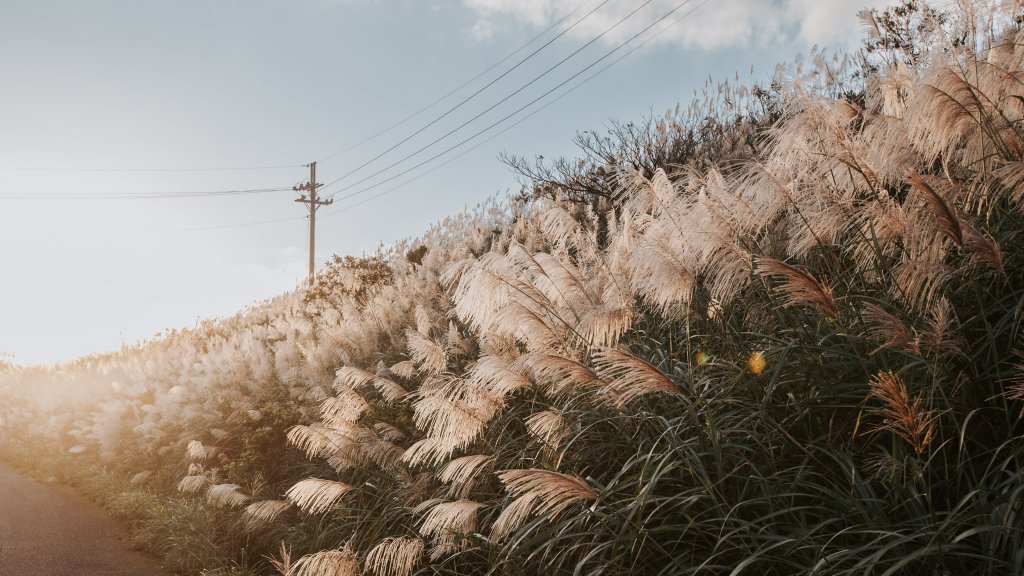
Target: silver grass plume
(901,416)
(549,427)
(226,496)
(462,473)
(630,378)
(560,376)
(446,522)
(394,557)
(316,495)
(798,287)
(538,492)
(343,562)
(260,514)
(429,355)
(193,484)
(890,331)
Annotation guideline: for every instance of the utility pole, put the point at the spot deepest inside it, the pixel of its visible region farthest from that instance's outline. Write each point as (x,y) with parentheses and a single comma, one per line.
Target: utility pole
(314,203)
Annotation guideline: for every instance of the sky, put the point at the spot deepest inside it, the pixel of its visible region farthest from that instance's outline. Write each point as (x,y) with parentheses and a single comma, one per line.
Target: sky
(109,100)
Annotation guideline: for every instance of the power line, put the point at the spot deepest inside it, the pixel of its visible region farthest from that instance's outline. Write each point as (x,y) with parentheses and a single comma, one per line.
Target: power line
(506,129)
(473,95)
(518,110)
(109,169)
(458,88)
(137,195)
(242,225)
(524,118)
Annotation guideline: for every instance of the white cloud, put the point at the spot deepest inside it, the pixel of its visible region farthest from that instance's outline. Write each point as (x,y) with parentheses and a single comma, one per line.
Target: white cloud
(718,24)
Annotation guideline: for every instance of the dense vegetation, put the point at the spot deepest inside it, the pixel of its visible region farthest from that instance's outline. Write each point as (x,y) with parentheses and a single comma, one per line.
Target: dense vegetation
(778,332)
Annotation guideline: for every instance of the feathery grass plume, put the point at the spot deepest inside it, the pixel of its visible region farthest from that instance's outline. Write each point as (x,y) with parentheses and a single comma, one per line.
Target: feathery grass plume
(430,451)
(496,374)
(908,420)
(458,416)
(389,390)
(538,492)
(549,427)
(799,287)
(884,221)
(226,496)
(312,440)
(429,355)
(1010,174)
(463,472)
(940,336)
(315,495)
(559,281)
(259,514)
(610,315)
(982,246)
(422,320)
(630,378)
(283,562)
(351,377)
(193,484)
(455,343)
(196,452)
(446,523)
(140,478)
(660,268)
(345,408)
(513,515)
(404,369)
(968,112)
(343,562)
(495,295)
(944,216)
(384,454)
(890,331)
(394,557)
(532,324)
(558,375)
(346,445)
(389,432)
(218,434)
(562,228)
(921,274)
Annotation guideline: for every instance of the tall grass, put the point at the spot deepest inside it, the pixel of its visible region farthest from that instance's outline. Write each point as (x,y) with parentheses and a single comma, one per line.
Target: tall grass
(806,362)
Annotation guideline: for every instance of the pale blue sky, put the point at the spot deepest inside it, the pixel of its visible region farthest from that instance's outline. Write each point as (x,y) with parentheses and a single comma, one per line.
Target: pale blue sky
(226,83)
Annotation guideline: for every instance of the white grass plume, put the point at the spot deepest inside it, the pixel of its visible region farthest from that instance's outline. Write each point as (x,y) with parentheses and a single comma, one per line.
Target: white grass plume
(463,472)
(226,496)
(259,514)
(630,378)
(193,484)
(343,562)
(345,408)
(446,522)
(430,356)
(538,492)
(549,426)
(404,369)
(195,452)
(316,496)
(394,557)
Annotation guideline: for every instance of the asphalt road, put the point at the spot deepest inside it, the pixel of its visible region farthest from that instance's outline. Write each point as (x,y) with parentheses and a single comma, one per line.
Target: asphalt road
(49,531)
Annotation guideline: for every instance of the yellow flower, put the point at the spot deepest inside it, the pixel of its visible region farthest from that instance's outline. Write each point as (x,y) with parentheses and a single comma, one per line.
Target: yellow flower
(701,358)
(756,362)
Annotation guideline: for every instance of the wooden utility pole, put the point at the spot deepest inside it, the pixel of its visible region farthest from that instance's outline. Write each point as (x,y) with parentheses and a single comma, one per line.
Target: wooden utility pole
(314,203)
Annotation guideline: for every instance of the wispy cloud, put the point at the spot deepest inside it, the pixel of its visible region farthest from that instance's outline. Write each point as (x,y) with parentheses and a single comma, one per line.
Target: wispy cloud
(717,25)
